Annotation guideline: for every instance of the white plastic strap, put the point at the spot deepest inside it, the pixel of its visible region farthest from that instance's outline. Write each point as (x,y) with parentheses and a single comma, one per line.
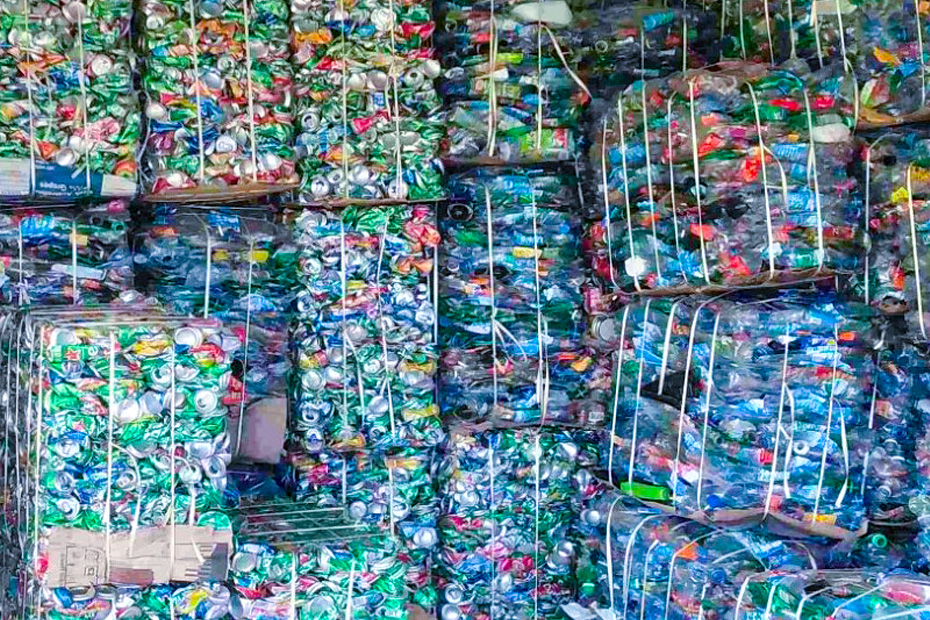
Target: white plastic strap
(789,450)
(608,232)
(742,33)
(815,26)
(137,512)
(111,415)
(842,29)
(492,84)
(391,488)
(538,454)
(626,193)
(812,165)
(639,387)
(350,594)
(345,291)
(209,274)
(644,582)
(388,373)
(246,20)
(765,178)
(493,512)
(195,40)
(652,204)
(738,607)
(791,34)
(30,76)
(173,415)
(539,88)
(358,369)
(723,20)
(21,290)
(671,195)
(345,479)
(617,381)
(76,292)
(627,564)
(398,147)
(292,612)
(85,142)
(565,63)
(923,64)
(783,395)
(487,204)
(914,254)
(665,345)
(844,446)
(21,417)
(542,371)
(828,426)
(345,106)
(609,554)
(39,406)
(245,351)
(709,391)
(868,453)
(9,424)
(697,177)
(868,215)
(684,401)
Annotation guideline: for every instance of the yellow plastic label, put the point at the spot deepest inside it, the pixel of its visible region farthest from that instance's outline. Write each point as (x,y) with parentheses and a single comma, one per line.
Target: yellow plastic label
(900,195)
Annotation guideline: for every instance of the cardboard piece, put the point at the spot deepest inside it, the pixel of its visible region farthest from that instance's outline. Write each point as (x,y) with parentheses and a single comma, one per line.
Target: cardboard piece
(418,613)
(775,522)
(336,203)
(79,557)
(263,429)
(248,191)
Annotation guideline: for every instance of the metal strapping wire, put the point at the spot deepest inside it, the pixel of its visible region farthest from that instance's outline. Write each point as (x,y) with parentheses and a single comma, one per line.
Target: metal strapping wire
(293,522)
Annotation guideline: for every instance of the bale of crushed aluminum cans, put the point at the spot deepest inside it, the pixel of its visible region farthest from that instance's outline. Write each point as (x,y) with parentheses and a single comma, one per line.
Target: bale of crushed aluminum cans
(216,601)
(626,42)
(644,564)
(510,303)
(363,343)
(322,581)
(509,499)
(392,492)
(233,264)
(120,438)
(295,560)
(852,594)
(511,85)
(63,255)
(896,183)
(743,409)
(369,118)
(69,114)
(687,199)
(219,95)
